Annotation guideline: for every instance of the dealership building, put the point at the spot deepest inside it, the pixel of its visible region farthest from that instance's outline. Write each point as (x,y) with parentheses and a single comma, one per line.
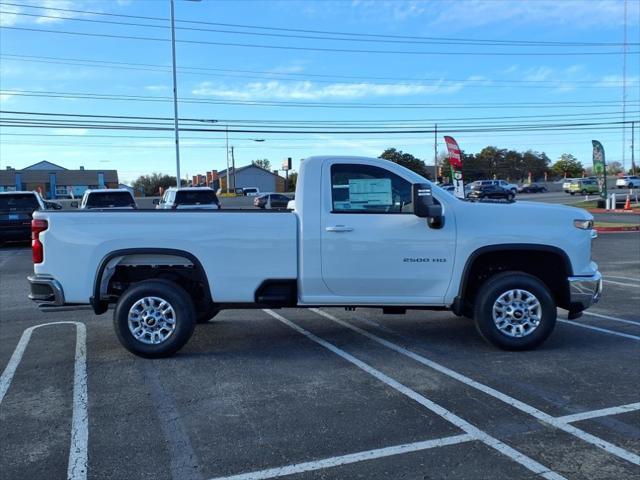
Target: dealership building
(54,181)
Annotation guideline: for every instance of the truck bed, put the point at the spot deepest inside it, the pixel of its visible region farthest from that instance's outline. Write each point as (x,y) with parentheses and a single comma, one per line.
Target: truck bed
(238,249)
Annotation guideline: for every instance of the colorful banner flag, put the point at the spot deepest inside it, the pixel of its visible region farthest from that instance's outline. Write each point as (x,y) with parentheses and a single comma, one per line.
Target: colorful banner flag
(600,167)
(455,160)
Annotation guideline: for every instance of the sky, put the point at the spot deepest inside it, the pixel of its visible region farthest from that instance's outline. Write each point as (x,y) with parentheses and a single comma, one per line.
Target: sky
(302,73)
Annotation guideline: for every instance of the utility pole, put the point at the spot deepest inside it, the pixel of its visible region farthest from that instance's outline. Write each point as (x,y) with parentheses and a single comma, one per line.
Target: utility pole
(233,167)
(228,171)
(435,151)
(633,148)
(175,95)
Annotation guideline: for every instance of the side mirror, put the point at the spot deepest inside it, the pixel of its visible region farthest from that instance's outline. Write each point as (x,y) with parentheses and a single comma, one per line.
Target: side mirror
(156,201)
(424,205)
(73,204)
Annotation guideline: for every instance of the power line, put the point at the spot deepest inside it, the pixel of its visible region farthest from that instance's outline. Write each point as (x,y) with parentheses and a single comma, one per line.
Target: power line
(271,74)
(449,105)
(349,38)
(313,49)
(321,32)
(484,83)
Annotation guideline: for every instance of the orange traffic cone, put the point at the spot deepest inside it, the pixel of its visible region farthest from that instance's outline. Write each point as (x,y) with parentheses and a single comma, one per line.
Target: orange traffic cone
(627,204)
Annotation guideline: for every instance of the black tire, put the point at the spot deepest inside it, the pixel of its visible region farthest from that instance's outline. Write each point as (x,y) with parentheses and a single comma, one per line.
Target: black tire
(572,193)
(584,192)
(184,317)
(493,289)
(204,317)
(631,185)
(510,197)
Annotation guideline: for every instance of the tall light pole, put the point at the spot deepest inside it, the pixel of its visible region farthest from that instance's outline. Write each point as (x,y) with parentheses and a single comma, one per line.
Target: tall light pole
(175,91)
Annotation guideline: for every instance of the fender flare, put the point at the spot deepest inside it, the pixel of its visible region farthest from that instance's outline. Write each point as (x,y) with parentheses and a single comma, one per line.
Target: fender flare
(100,306)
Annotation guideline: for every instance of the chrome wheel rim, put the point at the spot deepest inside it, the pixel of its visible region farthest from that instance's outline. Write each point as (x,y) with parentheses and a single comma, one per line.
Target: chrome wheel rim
(517,313)
(152,320)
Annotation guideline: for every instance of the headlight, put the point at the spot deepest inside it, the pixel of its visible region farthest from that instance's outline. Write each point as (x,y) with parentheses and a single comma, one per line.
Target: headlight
(583,224)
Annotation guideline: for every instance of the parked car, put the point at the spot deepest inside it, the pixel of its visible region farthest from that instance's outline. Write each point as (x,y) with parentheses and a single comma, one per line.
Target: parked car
(16,210)
(479,192)
(251,191)
(108,199)
(201,198)
(567,183)
(628,181)
(532,188)
(500,183)
(271,200)
(584,186)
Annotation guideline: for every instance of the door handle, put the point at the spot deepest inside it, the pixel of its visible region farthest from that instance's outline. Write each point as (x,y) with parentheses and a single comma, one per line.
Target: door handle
(339,228)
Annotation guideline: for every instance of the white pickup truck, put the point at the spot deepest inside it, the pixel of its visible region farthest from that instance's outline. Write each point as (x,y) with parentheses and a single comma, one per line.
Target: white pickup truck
(365,232)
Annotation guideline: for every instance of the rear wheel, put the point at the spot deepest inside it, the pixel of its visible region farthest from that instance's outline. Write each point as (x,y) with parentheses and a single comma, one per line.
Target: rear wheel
(510,197)
(572,193)
(154,318)
(515,311)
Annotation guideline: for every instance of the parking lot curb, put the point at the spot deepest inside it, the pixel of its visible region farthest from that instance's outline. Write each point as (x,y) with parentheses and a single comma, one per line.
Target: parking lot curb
(630,228)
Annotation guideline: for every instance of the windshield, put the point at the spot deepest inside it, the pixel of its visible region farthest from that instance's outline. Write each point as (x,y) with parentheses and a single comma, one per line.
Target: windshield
(18,201)
(110,200)
(196,197)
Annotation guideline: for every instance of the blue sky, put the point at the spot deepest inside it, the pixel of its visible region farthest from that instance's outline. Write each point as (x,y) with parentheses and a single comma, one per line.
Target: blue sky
(457,87)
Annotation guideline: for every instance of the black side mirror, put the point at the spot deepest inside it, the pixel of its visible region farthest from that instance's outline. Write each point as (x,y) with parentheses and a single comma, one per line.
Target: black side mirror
(424,205)
(156,201)
(73,204)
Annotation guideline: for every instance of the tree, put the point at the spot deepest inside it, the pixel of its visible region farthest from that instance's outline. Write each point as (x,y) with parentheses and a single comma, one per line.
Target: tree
(150,184)
(264,163)
(293,180)
(567,166)
(614,168)
(406,160)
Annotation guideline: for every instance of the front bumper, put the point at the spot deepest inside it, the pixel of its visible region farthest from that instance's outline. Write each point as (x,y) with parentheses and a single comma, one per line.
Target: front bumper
(584,291)
(45,290)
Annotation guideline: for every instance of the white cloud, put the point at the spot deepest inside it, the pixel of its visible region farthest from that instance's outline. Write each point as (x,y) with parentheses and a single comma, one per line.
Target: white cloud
(70,131)
(5,97)
(156,88)
(9,19)
(305,90)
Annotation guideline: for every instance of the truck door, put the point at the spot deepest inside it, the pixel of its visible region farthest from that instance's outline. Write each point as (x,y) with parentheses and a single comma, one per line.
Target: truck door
(373,247)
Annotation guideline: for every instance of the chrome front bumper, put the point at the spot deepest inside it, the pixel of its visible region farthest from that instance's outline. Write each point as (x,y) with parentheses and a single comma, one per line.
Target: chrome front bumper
(584,291)
(45,290)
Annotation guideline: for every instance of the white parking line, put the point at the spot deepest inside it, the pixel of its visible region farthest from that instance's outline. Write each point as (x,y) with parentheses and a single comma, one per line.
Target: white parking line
(350,458)
(603,412)
(538,414)
(77,466)
(615,319)
(623,278)
(621,283)
(470,429)
(600,329)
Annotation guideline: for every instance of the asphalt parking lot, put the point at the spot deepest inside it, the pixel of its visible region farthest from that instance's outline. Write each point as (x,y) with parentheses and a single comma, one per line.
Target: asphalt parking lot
(323,394)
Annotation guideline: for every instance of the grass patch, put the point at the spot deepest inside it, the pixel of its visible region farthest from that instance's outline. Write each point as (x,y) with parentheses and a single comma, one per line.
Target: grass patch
(615,224)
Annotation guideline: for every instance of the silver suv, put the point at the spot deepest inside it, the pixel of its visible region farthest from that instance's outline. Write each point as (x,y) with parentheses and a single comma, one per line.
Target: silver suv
(202,198)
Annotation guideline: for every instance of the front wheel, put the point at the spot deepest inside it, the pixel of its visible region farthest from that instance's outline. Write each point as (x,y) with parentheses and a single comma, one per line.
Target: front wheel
(515,311)
(154,318)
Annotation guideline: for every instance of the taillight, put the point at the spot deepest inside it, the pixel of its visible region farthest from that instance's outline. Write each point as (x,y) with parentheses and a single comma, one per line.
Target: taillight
(37,249)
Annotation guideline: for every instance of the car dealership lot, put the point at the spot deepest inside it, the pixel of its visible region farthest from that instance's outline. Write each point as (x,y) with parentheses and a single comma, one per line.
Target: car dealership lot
(323,394)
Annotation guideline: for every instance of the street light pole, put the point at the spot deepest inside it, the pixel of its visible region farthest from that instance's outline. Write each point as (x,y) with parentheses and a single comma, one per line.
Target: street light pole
(175,94)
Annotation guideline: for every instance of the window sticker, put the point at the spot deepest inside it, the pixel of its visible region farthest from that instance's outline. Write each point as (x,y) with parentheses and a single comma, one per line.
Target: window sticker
(370,192)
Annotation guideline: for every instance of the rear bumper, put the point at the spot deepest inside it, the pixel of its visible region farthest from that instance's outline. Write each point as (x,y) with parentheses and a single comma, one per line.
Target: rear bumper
(45,290)
(584,291)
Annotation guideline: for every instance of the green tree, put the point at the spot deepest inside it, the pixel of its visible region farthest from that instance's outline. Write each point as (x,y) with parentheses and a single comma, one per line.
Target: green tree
(614,168)
(293,180)
(567,166)
(262,163)
(406,160)
(150,184)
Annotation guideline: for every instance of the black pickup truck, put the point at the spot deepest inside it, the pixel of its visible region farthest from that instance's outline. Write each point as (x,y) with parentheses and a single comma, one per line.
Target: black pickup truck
(16,210)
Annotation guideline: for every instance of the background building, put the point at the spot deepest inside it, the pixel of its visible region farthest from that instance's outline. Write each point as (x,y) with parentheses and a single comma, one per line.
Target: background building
(54,181)
(247,176)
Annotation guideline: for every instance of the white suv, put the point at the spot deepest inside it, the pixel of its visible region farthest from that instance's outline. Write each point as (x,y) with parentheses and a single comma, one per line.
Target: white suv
(201,198)
(501,183)
(628,181)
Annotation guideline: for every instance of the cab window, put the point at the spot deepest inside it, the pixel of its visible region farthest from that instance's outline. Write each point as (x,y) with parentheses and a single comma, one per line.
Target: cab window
(368,189)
